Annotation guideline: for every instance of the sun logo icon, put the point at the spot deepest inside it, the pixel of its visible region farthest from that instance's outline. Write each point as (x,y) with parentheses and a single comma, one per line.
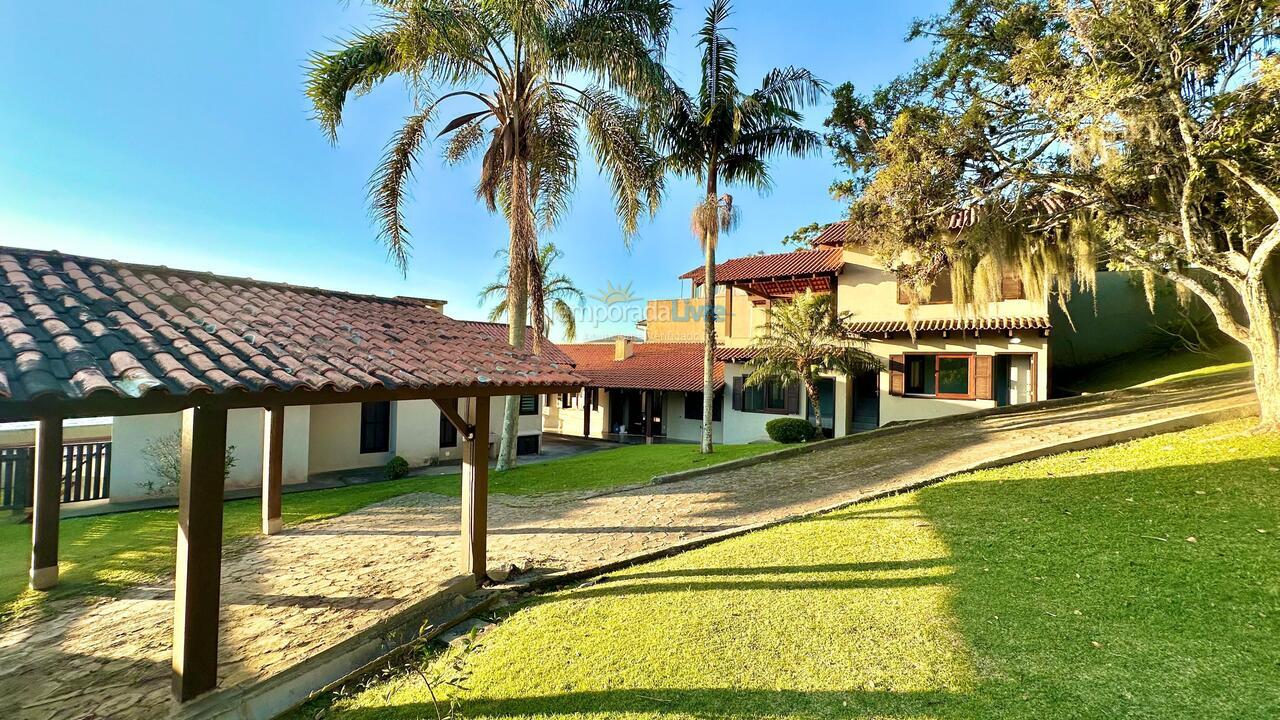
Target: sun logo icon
(612,295)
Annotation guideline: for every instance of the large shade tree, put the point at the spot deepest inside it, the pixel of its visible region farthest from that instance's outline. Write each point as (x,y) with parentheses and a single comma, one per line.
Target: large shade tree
(1048,137)
(805,339)
(721,135)
(559,294)
(515,81)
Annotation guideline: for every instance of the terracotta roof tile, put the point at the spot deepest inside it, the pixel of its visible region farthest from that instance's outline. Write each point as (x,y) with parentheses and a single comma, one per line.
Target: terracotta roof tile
(653,366)
(72,327)
(498,331)
(873,327)
(764,267)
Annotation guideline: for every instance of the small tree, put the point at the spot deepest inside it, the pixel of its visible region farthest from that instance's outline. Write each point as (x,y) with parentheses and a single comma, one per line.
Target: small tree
(557,292)
(1048,136)
(163,457)
(806,338)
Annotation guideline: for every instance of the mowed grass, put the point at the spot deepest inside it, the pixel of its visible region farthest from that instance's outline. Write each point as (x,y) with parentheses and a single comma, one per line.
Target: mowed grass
(1145,368)
(1140,581)
(103,555)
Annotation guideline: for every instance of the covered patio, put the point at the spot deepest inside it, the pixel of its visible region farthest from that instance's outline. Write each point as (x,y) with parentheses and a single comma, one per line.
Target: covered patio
(87,337)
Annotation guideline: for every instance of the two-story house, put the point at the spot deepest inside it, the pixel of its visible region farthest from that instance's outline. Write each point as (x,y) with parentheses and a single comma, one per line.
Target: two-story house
(954,362)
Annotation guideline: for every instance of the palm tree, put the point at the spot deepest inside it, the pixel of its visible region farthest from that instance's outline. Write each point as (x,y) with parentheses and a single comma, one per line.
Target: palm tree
(557,292)
(725,135)
(533,72)
(805,338)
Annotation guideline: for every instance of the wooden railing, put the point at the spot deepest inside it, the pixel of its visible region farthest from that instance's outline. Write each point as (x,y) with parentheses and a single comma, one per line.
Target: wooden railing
(86,473)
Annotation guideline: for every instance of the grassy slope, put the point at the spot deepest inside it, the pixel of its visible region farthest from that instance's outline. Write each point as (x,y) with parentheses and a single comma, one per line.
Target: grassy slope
(1152,369)
(1060,588)
(105,554)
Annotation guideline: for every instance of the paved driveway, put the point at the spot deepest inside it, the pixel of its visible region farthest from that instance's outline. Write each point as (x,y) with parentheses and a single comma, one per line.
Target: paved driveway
(288,596)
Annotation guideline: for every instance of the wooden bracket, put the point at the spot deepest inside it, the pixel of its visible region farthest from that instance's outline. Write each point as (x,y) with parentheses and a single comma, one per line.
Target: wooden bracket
(468,432)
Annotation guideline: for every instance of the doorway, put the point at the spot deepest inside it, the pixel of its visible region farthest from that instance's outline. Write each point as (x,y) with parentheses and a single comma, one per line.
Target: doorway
(1014,381)
(866,402)
(628,416)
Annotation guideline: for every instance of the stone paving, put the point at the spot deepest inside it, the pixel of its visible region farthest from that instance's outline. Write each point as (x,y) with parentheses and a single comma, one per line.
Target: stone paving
(288,596)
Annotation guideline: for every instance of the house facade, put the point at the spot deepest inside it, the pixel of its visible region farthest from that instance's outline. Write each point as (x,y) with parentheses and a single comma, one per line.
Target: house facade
(954,362)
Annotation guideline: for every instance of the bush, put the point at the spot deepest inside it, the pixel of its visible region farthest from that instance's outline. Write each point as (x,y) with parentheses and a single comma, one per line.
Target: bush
(163,457)
(791,430)
(397,467)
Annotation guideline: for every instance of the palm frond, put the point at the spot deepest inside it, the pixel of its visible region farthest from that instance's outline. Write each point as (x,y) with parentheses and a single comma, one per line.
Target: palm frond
(388,187)
(362,62)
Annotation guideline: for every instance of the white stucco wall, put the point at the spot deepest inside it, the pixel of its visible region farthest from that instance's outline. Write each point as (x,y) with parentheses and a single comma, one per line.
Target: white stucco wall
(681,428)
(568,421)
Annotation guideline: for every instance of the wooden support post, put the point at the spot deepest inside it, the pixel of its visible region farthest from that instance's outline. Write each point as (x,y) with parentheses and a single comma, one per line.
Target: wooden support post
(646,411)
(586,412)
(199,565)
(45,503)
(475,491)
(272,469)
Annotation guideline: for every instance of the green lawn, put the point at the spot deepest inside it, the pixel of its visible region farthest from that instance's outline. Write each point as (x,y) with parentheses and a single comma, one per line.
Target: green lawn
(105,554)
(1140,581)
(1140,369)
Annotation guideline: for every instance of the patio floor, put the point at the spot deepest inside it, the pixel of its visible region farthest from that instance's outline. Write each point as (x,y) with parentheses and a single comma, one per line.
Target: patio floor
(288,596)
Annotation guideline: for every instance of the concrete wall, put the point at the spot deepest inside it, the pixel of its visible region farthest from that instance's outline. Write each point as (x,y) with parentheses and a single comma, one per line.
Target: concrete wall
(23,434)
(895,409)
(1111,321)
(681,428)
(317,439)
(130,475)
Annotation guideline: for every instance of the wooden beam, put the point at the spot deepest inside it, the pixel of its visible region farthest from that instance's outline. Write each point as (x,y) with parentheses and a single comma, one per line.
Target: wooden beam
(197,582)
(646,411)
(45,503)
(103,404)
(475,491)
(450,411)
(272,469)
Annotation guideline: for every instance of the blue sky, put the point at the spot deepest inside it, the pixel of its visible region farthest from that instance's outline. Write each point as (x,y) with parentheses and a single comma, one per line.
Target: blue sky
(178,134)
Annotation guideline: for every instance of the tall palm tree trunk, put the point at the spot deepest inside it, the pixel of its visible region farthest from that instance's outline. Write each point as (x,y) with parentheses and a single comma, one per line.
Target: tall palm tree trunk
(711,236)
(523,237)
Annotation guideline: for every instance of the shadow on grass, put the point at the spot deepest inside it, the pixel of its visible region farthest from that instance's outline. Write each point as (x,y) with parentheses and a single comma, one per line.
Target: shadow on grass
(1149,593)
(694,703)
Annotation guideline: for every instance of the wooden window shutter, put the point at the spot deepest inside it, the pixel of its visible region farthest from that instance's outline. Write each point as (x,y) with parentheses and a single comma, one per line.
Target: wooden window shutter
(903,297)
(737,392)
(897,375)
(791,398)
(982,377)
(1011,287)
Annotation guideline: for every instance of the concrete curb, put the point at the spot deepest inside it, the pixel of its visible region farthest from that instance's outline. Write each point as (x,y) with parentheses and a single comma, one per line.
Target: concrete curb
(1115,437)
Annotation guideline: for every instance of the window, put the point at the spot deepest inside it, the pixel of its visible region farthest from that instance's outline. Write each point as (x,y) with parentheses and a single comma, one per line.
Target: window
(920,375)
(375,427)
(944,376)
(448,433)
(528,404)
(768,397)
(693,406)
(527,445)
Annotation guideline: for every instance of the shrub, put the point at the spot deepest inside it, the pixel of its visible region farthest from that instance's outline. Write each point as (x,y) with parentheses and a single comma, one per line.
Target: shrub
(397,467)
(791,430)
(163,456)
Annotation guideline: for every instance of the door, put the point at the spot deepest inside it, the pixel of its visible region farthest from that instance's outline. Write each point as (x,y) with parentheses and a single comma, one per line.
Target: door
(1003,379)
(827,398)
(866,402)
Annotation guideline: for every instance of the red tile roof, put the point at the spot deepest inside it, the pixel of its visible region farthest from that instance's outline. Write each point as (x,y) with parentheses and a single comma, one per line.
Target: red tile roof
(765,267)
(498,331)
(833,235)
(873,327)
(653,366)
(76,327)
